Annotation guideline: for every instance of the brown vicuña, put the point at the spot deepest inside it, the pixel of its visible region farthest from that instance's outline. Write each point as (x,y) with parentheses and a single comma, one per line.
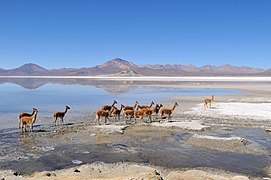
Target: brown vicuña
(158,108)
(150,112)
(28,120)
(115,112)
(107,107)
(129,107)
(128,113)
(168,111)
(139,113)
(25,114)
(100,113)
(145,106)
(209,101)
(60,115)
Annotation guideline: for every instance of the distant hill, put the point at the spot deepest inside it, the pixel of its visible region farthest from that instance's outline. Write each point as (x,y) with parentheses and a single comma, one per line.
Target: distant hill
(27,69)
(119,67)
(266,72)
(125,73)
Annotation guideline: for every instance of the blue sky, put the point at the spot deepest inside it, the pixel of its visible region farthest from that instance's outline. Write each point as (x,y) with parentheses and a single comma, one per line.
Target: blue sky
(83,33)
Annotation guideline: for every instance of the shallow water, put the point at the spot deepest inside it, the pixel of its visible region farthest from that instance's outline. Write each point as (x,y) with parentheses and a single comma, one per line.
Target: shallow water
(21,95)
(142,144)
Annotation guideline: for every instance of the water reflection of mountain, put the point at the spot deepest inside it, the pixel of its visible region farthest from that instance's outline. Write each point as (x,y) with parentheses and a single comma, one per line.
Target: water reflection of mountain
(117,89)
(27,83)
(111,86)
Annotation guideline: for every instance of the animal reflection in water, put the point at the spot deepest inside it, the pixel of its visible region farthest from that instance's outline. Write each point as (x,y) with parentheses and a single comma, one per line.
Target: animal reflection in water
(27,141)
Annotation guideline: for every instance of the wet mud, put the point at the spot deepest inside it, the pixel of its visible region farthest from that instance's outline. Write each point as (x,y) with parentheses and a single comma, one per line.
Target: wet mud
(49,148)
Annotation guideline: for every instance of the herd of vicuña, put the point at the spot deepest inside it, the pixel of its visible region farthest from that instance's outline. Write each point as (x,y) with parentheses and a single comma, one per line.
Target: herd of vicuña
(106,111)
(135,111)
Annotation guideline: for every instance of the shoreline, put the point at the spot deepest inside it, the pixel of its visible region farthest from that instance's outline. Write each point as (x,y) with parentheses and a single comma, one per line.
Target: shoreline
(158,78)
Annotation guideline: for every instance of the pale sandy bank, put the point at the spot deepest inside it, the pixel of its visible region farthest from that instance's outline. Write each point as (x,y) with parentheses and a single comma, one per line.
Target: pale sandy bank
(100,170)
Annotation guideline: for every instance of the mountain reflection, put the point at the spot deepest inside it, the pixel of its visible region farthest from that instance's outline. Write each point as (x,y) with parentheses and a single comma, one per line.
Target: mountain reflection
(110,86)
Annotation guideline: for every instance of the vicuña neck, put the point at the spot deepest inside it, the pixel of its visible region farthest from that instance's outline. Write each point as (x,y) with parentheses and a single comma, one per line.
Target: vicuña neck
(114,103)
(66,110)
(135,105)
(35,116)
(33,112)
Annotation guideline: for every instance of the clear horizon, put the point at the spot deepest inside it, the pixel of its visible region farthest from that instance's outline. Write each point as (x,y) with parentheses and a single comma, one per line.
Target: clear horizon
(74,34)
(128,61)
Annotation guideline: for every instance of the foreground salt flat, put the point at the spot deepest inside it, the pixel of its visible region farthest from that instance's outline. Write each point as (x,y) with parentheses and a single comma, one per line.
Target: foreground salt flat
(101,170)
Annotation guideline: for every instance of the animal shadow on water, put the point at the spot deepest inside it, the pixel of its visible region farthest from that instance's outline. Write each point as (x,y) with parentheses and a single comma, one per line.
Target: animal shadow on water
(63,125)
(27,140)
(165,119)
(69,124)
(213,107)
(39,130)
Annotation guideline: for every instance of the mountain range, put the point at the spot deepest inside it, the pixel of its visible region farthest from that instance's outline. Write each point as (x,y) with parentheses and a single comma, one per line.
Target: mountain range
(119,67)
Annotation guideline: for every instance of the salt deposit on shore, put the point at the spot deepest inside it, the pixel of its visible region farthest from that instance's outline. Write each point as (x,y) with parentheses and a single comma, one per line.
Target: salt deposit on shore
(109,129)
(194,125)
(218,138)
(154,78)
(256,111)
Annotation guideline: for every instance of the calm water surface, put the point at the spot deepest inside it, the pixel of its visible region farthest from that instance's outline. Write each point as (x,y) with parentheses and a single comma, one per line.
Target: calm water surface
(83,99)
